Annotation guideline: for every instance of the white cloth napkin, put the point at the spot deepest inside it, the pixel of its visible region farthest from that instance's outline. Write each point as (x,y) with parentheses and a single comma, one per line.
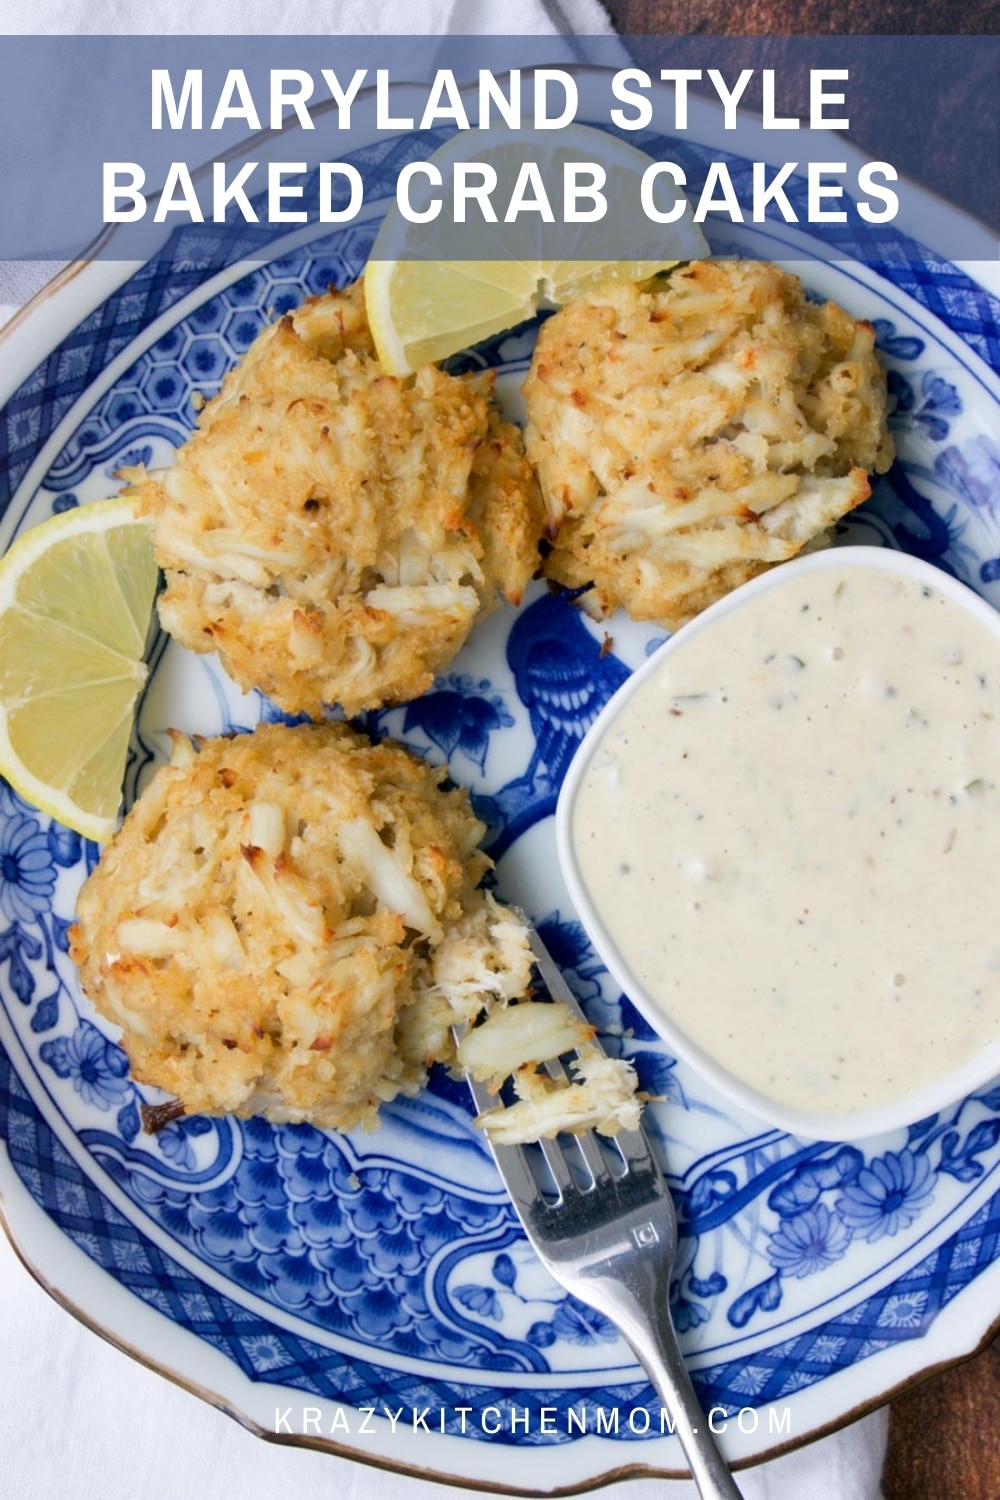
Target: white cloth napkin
(78,1418)
(304,17)
(19,280)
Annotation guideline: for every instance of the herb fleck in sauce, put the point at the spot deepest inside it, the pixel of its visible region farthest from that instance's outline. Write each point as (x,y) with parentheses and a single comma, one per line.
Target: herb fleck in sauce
(792,832)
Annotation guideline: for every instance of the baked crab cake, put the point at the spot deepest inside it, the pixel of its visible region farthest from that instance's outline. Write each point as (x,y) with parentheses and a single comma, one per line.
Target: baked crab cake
(290,922)
(693,430)
(334,532)
(273,907)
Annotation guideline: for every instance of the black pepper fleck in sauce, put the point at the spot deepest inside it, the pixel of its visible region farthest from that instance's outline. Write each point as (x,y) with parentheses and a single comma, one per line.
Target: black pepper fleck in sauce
(801,912)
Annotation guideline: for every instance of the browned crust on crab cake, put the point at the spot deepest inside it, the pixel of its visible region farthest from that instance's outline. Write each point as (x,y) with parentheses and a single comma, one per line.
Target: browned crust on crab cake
(334,532)
(288,922)
(692,431)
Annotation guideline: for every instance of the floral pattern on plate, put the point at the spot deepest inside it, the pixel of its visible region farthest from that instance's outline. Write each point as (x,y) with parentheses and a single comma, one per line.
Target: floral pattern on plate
(354,1266)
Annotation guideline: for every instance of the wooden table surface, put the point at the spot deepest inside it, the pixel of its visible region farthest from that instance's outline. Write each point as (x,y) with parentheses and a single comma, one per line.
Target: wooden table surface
(944,1440)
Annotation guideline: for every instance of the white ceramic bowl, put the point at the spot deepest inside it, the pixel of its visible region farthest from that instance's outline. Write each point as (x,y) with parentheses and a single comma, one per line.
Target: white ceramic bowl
(902,1110)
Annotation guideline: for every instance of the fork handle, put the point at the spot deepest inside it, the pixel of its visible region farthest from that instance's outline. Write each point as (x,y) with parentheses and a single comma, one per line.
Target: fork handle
(637,1300)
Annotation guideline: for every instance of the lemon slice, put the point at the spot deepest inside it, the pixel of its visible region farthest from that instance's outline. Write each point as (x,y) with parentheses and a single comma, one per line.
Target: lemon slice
(423,303)
(76,597)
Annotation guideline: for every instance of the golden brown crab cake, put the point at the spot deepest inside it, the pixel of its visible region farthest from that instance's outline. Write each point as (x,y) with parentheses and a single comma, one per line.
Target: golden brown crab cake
(274,913)
(334,532)
(693,430)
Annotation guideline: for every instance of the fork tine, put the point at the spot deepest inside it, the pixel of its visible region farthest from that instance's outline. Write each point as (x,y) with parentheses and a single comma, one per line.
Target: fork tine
(592,1154)
(636,1152)
(518,1178)
(551,975)
(513,1159)
(589,1150)
(555,1160)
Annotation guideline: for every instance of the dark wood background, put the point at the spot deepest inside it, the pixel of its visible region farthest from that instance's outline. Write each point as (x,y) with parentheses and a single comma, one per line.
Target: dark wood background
(944,1433)
(881,108)
(804,18)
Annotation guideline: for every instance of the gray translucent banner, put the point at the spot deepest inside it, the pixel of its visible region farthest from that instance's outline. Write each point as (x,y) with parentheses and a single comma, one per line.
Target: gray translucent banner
(220,148)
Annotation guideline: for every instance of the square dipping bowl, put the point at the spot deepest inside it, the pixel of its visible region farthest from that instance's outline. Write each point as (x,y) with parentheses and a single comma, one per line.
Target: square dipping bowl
(913,1024)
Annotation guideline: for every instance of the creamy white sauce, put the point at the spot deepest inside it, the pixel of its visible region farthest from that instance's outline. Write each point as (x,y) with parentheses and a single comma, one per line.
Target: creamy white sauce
(792,835)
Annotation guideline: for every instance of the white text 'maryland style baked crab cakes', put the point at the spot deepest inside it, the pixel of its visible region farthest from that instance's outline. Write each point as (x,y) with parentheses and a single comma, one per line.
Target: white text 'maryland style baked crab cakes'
(289,923)
(691,431)
(332,531)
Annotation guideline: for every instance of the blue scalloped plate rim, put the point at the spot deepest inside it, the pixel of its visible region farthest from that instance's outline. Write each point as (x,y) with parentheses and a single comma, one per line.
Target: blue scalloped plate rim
(813,1276)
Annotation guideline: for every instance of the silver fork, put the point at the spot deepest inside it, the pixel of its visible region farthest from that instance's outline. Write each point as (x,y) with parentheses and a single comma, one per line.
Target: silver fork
(610,1239)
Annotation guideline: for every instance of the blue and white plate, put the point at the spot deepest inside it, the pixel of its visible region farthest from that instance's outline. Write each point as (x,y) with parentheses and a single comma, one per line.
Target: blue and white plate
(301,1279)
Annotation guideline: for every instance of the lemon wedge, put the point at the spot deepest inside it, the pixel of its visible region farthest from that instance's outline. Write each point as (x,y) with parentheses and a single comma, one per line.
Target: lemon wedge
(76,598)
(424,304)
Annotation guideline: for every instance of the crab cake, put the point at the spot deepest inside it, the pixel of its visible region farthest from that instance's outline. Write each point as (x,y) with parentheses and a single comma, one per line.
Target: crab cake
(334,532)
(288,922)
(691,431)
